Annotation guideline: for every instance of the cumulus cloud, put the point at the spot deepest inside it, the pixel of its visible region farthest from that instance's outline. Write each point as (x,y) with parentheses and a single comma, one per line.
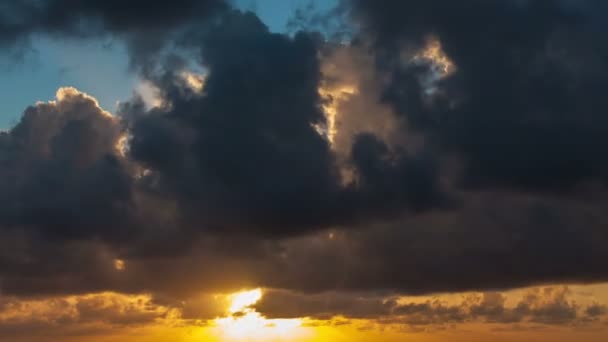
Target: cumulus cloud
(62,171)
(247,154)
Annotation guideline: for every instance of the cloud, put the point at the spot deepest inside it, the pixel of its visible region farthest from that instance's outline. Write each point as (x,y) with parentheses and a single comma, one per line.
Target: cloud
(495,240)
(433,153)
(596,310)
(84,315)
(99,314)
(523,109)
(286,304)
(78,19)
(62,170)
(246,154)
(546,306)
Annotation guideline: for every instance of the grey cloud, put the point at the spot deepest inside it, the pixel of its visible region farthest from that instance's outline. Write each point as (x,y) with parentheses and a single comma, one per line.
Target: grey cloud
(596,310)
(286,304)
(245,154)
(547,306)
(523,109)
(62,173)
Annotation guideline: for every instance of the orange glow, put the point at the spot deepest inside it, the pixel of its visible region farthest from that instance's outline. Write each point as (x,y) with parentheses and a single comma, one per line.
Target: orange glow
(245,324)
(67,92)
(119,265)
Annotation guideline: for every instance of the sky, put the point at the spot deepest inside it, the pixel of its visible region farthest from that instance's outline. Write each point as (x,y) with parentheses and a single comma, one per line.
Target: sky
(347,170)
(99,66)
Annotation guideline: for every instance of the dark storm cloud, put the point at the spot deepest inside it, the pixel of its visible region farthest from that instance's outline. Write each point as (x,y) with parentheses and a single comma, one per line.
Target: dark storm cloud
(394,179)
(525,107)
(495,240)
(82,18)
(233,180)
(253,155)
(246,154)
(144,25)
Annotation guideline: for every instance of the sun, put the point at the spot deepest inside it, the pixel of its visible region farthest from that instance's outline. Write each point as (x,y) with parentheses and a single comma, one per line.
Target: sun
(243,323)
(243,300)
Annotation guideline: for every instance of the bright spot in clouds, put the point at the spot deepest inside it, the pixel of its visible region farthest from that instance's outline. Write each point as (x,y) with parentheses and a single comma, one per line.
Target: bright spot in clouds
(149,93)
(122,145)
(241,301)
(119,265)
(195,81)
(433,52)
(245,324)
(333,97)
(67,92)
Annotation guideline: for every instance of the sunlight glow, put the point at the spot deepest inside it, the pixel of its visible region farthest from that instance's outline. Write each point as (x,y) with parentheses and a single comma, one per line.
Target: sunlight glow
(241,301)
(333,97)
(149,93)
(67,92)
(195,81)
(434,53)
(119,265)
(122,145)
(245,324)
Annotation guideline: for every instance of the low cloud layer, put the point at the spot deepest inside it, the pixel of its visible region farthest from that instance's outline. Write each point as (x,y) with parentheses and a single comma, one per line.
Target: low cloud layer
(99,314)
(547,306)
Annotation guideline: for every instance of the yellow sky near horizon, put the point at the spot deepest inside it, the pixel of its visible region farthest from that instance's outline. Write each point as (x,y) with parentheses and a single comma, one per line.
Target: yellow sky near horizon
(337,334)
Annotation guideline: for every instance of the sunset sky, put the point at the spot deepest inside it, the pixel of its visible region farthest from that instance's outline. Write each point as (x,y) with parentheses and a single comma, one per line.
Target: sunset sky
(303,170)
